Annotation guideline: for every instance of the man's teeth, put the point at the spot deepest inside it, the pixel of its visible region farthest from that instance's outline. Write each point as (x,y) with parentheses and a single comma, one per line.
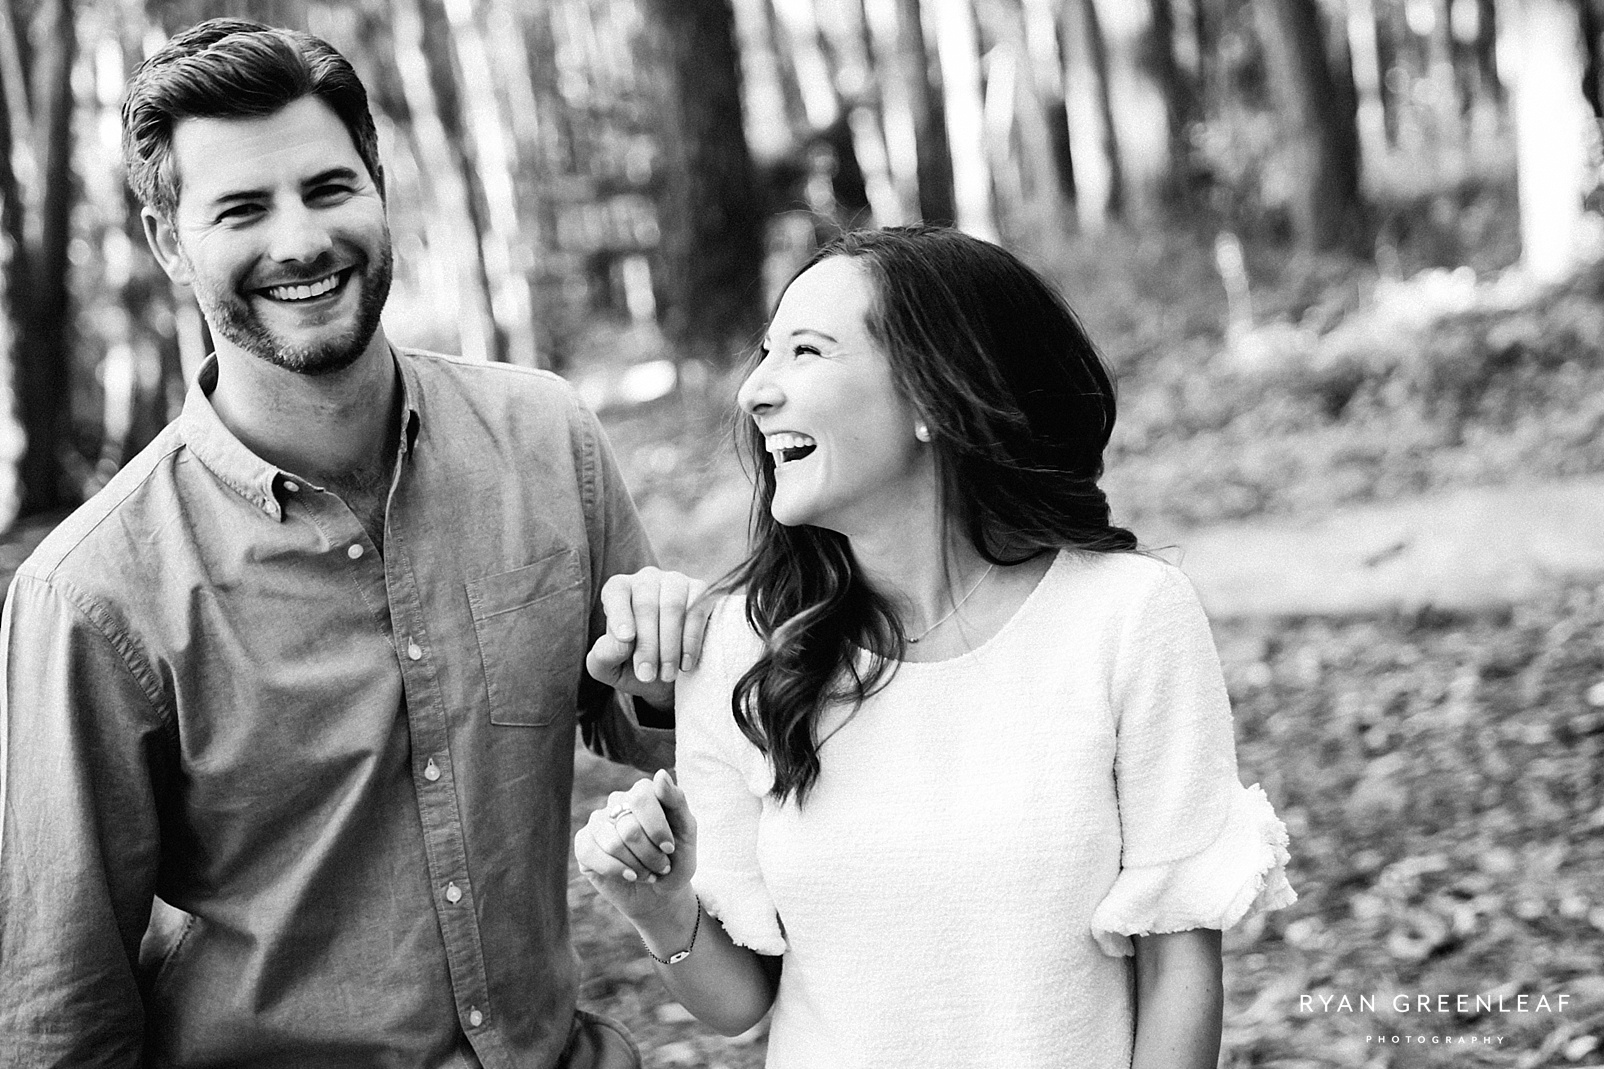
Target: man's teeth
(788,446)
(304,292)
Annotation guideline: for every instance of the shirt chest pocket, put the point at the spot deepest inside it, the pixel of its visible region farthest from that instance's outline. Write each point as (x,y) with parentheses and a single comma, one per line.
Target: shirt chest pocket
(531,626)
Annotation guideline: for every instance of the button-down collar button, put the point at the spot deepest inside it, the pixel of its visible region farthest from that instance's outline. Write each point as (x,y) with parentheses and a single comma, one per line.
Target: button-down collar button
(414,650)
(453,893)
(292,487)
(431,771)
(355,551)
(475,1018)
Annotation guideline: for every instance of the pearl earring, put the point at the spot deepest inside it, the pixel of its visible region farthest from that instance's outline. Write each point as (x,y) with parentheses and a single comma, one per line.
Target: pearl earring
(922,432)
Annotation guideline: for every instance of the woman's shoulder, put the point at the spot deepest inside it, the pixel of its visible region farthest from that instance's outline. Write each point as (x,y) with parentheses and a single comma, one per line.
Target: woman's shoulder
(1127,580)
(729,648)
(730,638)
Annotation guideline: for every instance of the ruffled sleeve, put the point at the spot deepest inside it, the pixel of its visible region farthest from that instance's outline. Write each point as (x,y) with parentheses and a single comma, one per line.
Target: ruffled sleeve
(725,779)
(1198,850)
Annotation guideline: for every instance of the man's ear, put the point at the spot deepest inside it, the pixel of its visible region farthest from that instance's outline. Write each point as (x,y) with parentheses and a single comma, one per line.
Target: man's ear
(163,238)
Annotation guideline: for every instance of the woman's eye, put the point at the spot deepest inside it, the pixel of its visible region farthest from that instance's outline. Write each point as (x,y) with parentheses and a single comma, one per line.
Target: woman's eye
(810,350)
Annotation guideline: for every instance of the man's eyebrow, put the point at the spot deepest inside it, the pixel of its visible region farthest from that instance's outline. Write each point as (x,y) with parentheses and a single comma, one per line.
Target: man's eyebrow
(333,174)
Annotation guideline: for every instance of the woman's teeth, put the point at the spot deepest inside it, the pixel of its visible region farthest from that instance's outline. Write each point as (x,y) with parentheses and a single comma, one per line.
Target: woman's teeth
(306,291)
(788,447)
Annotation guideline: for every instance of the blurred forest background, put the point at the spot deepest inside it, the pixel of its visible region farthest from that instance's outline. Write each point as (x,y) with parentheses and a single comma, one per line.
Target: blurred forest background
(1336,251)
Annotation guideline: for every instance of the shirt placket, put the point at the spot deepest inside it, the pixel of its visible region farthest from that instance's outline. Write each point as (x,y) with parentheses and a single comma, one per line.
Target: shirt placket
(433,777)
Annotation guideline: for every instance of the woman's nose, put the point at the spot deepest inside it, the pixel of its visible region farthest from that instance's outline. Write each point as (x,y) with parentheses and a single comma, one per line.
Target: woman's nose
(759,393)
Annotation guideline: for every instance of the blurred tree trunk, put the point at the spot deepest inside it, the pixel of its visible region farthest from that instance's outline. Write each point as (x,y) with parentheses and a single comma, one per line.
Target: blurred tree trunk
(1178,100)
(769,132)
(1023,147)
(936,203)
(493,160)
(847,33)
(1318,113)
(814,80)
(1093,140)
(435,126)
(958,49)
(712,235)
(1550,123)
(1365,57)
(1140,77)
(37,211)
(1042,42)
(1487,48)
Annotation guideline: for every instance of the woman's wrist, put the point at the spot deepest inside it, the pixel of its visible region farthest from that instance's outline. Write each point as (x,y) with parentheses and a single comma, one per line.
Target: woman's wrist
(667,929)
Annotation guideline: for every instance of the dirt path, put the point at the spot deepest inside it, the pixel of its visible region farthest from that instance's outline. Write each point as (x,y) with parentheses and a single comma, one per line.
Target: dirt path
(1468,550)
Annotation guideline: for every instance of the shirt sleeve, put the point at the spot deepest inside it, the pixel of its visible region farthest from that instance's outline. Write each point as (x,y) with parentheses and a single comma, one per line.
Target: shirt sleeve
(618,546)
(82,748)
(1198,850)
(725,779)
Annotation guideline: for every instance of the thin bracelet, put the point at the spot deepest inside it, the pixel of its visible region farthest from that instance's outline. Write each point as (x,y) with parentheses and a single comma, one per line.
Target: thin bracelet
(679,955)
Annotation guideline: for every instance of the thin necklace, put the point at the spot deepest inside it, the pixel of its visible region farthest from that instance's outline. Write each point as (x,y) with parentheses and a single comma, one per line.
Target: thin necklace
(954,610)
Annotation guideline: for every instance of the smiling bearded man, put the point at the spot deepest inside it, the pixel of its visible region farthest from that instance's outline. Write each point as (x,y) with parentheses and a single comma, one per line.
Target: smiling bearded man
(309,668)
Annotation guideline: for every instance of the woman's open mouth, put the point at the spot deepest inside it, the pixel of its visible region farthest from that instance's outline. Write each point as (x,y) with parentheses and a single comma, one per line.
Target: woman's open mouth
(788,447)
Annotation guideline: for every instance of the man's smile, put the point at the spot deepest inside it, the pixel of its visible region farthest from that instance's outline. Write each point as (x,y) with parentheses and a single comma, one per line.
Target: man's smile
(294,292)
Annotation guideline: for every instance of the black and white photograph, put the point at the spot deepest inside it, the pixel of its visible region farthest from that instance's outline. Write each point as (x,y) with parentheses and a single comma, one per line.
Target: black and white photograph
(802,534)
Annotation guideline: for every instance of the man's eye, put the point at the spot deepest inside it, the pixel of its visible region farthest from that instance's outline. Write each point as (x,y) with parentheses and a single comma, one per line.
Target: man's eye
(327,193)
(239,212)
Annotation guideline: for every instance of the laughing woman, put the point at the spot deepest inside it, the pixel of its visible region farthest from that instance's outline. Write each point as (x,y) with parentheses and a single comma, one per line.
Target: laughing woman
(959,756)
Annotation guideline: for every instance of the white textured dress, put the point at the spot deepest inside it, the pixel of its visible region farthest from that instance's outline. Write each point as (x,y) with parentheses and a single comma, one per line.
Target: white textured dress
(987,831)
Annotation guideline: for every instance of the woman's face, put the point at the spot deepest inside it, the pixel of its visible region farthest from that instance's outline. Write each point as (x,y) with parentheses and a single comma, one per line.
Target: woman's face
(840,435)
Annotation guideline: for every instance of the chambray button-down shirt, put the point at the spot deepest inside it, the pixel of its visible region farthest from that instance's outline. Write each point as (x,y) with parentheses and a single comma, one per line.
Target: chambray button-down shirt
(349,769)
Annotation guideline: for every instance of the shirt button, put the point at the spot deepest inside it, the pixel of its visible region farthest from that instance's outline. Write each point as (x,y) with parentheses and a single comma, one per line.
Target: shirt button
(354,552)
(453,893)
(414,650)
(475,1018)
(431,771)
(291,487)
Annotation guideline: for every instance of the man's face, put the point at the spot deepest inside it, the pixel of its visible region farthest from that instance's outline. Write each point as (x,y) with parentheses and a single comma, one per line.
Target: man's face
(281,232)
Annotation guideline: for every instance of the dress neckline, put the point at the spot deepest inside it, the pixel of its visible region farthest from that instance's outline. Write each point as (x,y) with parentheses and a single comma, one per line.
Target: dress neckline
(1011,624)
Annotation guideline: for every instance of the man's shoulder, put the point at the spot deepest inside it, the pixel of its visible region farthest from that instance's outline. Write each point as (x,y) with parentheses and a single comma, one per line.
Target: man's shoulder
(494,384)
(95,545)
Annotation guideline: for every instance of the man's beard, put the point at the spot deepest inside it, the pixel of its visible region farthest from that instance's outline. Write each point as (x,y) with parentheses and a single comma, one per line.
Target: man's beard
(236,320)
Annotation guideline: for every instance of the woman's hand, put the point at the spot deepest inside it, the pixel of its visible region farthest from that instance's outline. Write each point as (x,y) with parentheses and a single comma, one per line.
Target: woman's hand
(655,624)
(639,852)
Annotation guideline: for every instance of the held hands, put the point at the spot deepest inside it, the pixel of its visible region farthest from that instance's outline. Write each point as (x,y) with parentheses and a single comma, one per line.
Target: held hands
(655,624)
(640,851)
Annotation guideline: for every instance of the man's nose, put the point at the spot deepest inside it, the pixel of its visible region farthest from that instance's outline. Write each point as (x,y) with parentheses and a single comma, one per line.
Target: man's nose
(299,236)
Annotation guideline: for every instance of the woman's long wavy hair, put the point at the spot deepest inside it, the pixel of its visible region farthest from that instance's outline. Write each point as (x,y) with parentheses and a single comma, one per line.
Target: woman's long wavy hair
(1020,406)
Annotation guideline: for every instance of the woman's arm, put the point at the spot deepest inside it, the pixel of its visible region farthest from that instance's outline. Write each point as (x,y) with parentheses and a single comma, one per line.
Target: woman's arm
(621,851)
(1180,1000)
(727,987)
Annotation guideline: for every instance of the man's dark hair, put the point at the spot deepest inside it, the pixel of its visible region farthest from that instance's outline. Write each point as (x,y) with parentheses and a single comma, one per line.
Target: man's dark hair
(233,68)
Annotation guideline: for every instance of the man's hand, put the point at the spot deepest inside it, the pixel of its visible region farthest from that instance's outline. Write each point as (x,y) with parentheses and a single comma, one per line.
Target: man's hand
(655,624)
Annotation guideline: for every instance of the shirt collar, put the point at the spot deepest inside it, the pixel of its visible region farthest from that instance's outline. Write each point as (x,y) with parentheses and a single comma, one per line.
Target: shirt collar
(241,470)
